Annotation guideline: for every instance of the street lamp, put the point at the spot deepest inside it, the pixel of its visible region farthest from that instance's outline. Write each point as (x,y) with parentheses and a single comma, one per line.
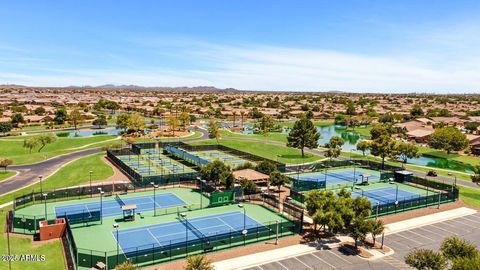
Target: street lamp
(45,203)
(101,205)
(455,183)
(276,236)
(41,177)
(154,199)
(91,191)
(115,225)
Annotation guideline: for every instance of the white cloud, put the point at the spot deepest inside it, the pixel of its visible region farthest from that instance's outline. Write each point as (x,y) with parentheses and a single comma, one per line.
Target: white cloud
(258,67)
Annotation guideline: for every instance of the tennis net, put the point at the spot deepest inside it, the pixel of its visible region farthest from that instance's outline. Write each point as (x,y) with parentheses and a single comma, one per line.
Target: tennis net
(193,229)
(342,177)
(119,200)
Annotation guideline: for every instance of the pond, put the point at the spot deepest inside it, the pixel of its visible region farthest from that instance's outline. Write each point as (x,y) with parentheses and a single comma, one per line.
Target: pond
(94,132)
(352,138)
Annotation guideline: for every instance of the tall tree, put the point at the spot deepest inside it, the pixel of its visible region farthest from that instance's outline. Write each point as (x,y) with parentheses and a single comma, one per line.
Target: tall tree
(265,124)
(377,227)
(60,116)
(122,121)
(407,150)
(334,147)
(45,139)
(100,121)
(17,119)
(278,180)
(30,143)
(383,147)
(213,130)
(75,118)
(5,127)
(234,114)
(136,122)
(266,167)
(184,120)
(217,172)
(5,162)
(242,114)
(448,139)
(476,174)
(363,146)
(303,134)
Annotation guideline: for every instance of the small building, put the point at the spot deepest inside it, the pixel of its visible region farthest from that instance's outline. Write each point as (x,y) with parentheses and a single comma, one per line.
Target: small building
(252,175)
(420,135)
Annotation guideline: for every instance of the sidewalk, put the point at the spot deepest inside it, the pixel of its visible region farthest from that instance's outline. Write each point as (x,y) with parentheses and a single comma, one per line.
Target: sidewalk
(300,249)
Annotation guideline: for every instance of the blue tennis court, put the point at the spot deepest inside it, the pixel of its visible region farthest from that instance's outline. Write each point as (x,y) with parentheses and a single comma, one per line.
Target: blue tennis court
(337,177)
(386,195)
(113,207)
(197,230)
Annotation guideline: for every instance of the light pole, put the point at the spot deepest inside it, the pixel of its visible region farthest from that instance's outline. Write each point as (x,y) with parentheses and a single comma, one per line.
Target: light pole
(378,206)
(115,225)
(91,191)
(244,231)
(455,183)
(276,235)
(244,215)
(154,199)
(45,203)
(101,205)
(184,216)
(41,177)
(201,191)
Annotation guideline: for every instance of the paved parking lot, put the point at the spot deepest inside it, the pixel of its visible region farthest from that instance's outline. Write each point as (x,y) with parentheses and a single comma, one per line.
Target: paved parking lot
(429,236)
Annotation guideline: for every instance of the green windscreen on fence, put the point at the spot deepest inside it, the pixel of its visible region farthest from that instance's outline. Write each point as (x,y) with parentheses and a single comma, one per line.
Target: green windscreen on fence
(222,198)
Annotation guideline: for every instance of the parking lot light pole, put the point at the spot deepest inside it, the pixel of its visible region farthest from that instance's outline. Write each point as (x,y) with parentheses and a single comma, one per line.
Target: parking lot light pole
(115,225)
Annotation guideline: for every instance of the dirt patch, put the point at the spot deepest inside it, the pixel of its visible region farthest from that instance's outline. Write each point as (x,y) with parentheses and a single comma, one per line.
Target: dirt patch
(118,176)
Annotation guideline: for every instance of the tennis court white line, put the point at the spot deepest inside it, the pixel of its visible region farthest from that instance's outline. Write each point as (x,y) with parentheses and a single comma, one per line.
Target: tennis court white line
(154,237)
(225,223)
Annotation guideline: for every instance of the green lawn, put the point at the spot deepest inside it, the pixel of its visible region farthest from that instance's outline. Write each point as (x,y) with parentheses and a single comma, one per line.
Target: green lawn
(4,175)
(317,123)
(12,147)
(282,153)
(72,174)
(440,172)
(470,196)
(51,250)
(452,156)
(274,136)
(363,131)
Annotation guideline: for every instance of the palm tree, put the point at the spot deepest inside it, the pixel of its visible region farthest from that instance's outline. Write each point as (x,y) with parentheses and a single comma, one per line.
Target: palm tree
(377,228)
(234,113)
(242,113)
(198,262)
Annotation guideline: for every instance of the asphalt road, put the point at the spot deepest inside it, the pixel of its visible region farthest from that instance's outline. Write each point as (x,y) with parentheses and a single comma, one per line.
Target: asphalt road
(429,237)
(28,174)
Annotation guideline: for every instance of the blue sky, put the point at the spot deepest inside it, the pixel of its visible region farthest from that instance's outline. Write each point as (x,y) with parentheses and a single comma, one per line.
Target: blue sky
(361,46)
